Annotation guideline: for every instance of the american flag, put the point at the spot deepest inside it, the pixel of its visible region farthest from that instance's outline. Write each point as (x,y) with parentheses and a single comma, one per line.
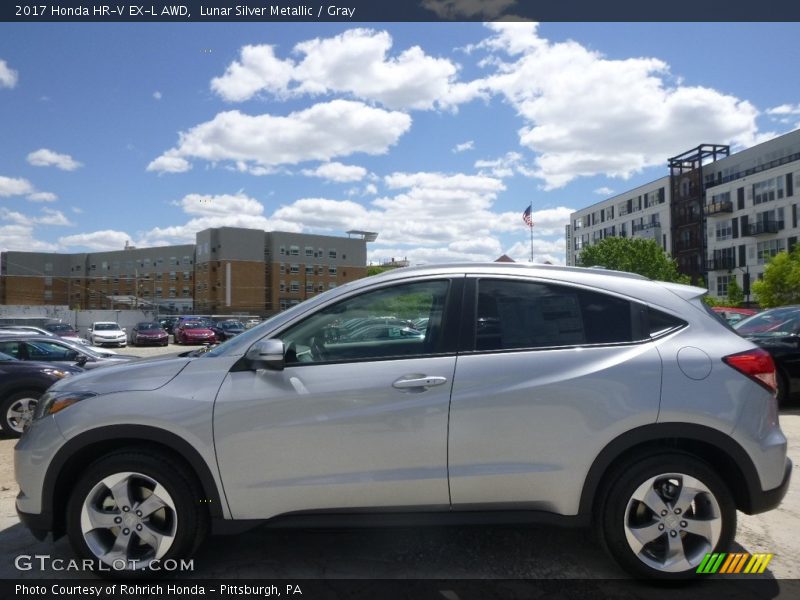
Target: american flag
(527,216)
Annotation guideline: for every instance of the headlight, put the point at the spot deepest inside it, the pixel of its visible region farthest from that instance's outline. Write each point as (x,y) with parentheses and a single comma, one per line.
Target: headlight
(56,373)
(53,402)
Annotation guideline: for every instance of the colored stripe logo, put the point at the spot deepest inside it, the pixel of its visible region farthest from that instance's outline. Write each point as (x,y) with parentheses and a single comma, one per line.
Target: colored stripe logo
(736,562)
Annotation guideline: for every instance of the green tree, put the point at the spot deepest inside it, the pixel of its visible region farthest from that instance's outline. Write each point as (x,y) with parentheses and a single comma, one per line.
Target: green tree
(376,270)
(781,283)
(735,293)
(634,255)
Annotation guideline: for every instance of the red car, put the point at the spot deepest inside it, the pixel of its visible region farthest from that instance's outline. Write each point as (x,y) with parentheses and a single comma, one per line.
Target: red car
(193,331)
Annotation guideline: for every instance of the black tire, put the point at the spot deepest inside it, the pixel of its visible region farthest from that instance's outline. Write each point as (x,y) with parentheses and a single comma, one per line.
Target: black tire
(13,410)
(619,514)
(182,517)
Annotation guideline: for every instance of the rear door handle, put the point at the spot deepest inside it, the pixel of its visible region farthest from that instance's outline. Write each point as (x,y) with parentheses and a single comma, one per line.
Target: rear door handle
(418,382)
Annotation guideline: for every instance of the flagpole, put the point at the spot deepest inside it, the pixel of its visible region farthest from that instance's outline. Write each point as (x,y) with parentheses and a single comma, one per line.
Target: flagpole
(530,226)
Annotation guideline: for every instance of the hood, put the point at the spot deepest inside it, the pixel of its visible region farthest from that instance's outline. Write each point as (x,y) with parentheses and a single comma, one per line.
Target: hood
(136,376)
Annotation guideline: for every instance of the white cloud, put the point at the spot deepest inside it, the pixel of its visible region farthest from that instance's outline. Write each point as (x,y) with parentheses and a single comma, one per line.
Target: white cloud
(21,238)
(8,76)
(585,114)
(98,241)
(48,217)
(508,165)
(336,171)
(42,197)
(15,187)
(157,95)
(169,162)
(356,63)
(544,251)
(470,145)
(784,109)
(47,158)
(604,191)
(321,132)
(224,204)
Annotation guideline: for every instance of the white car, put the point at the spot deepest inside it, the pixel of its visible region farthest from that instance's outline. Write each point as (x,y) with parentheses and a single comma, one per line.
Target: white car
(107,332)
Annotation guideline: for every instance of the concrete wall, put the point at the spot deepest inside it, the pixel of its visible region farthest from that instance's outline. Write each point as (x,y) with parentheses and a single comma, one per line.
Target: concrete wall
(79,319)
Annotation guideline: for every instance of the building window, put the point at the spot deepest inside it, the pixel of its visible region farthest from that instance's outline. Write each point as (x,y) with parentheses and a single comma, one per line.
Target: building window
(331,253)
(186,292)
(722,285)
(767,191)
(724,230)
(48,294)
(48,267)
(309,251)
(172,293)
(766,250)
(294,250)
(294,286)
(283,286)
(187,275)
(309,269)
(283,303)
(282,268)
(159,292)
(331,285)
(309,287)
(331,270)
(187,260)
(173,276)
(294,269)
(173,261)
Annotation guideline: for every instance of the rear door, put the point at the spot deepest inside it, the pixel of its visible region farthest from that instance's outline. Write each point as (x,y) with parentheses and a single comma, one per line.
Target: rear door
(548,375)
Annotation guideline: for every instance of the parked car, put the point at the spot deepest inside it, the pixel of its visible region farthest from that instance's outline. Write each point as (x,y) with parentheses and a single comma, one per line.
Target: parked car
(107,332)
(733,314)
(57,351)
(252,322)
(149,333)
(21,385)
(30,330)
(193,331)
(61,329)
(777,331)
(229,328)
(601,398)
(168,323)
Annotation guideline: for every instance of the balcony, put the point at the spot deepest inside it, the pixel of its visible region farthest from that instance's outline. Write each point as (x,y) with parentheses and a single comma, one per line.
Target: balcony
(718,208)
(721,263)
(763,228)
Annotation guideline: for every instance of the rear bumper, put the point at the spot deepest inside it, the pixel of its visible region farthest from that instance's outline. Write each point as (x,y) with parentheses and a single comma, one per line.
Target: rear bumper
(762,501)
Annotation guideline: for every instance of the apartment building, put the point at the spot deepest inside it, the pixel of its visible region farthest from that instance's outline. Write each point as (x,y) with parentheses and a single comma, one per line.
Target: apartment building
(229,270)
(640,212)
(723,215)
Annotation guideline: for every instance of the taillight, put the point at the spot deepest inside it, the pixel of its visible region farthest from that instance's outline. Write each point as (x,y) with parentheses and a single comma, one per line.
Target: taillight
(757,364)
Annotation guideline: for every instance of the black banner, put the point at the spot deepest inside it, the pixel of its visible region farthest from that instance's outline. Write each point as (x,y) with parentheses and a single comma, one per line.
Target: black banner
(731,588)
(399,10)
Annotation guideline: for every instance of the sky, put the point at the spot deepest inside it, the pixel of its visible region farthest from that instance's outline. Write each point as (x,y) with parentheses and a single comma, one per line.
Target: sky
(435,135)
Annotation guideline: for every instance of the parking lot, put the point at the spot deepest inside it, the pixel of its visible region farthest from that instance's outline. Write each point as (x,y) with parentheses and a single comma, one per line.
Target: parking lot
(437,552)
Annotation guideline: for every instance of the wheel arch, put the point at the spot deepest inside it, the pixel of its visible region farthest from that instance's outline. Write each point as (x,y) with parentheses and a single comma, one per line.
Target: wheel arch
(721,451)
(83,449)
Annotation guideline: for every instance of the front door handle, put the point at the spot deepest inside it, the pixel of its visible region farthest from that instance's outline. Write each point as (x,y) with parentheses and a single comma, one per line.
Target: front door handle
(418,381)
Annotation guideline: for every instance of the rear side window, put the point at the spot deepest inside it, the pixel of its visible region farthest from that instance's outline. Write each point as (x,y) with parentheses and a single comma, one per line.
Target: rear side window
(521,314)
(660,323)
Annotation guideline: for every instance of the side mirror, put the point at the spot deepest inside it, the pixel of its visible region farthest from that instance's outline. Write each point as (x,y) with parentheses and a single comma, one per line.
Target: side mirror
(89,330)
(267,354)
(81,360)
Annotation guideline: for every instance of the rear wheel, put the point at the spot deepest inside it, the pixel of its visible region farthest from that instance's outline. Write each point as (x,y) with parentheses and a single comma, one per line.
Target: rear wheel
(662,514)
(17,409)
(132,508)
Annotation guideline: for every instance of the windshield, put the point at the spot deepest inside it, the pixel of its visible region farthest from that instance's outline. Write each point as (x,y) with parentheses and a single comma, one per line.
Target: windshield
(106,327)
(59,327)
(232,325)
(144,326)
(785,321)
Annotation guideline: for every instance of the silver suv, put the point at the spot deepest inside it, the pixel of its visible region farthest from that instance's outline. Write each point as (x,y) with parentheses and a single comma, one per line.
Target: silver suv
(564,395)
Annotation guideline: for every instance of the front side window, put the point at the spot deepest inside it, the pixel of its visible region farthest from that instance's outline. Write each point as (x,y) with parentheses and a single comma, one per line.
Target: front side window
(374,325)
(519,314)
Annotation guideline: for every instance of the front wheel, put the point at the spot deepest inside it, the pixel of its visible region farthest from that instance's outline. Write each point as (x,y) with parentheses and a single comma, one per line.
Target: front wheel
(662,514)
(17,409)
(132,508)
